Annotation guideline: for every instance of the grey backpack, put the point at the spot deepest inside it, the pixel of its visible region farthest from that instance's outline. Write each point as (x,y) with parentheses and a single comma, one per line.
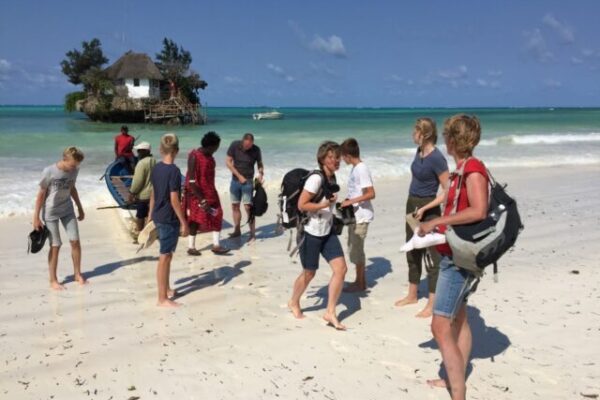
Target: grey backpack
(477,245)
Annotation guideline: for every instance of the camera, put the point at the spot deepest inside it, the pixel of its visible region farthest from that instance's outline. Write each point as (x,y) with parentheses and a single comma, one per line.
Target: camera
(330,189)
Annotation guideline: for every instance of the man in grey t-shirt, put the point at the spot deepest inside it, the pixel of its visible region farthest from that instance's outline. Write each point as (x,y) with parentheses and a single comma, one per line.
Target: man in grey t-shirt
(241,157)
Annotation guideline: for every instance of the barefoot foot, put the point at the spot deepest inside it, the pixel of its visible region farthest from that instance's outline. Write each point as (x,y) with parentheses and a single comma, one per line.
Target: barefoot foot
(425,313)
(168,304)
(57,286)
(296,310)
(437,383)
(332,320)
(81,280)
(235,234)
(405,301)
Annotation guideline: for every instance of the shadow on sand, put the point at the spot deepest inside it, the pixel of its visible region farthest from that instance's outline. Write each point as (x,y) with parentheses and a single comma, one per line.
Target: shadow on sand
(222,276)
(109,268)
(378,268)
(488,342)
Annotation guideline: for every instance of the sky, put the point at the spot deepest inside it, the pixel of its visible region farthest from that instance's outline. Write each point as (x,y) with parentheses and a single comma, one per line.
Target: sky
(324,53)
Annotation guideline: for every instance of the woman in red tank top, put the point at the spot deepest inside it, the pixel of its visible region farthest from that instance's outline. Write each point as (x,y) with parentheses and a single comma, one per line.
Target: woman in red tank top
(450,325)
(201,199)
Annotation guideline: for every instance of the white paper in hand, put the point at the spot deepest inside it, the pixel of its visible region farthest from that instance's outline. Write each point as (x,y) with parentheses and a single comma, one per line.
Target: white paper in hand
(421,242)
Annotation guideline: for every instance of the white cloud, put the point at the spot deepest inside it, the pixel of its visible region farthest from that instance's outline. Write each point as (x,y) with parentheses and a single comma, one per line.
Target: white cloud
(15,73)
(404,81)
(277,70)
(454,74)
(4,65)
(552,84)
(455,77)
(564,32)
(536,46)
(495,72)
(576,60)
(5,70)
(492,84)
(322,69)
(333,45)
(588,52)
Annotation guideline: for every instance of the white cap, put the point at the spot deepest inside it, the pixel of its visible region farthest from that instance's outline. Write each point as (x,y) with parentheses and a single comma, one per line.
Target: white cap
(142,146)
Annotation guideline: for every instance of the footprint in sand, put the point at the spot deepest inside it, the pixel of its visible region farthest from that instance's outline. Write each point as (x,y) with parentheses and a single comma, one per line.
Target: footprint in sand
(340,348)
(394,339)
(265,292)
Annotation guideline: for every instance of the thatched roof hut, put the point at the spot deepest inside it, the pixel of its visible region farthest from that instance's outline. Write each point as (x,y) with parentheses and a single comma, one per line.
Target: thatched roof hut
(134,65)
(138,74)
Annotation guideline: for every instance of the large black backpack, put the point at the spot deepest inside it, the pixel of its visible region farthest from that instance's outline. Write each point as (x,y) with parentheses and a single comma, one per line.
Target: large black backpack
(290,216)
(291,187)
(477,245)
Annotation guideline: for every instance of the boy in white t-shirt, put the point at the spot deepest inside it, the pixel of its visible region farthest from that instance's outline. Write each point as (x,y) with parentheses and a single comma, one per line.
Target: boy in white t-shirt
(360,194)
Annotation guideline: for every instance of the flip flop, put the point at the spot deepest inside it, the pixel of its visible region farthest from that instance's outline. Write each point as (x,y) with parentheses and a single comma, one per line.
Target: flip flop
(194,252)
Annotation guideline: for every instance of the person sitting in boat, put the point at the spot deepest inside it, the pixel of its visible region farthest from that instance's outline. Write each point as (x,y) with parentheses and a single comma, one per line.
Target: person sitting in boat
(141,186)
(201,200)
(124,149)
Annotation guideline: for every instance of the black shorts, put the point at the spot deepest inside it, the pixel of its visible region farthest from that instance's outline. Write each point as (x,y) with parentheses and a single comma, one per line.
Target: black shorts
(314,246)
(142,209)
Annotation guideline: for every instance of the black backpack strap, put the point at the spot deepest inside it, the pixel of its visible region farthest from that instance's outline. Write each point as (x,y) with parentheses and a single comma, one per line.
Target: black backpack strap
(321,192)
(495,272)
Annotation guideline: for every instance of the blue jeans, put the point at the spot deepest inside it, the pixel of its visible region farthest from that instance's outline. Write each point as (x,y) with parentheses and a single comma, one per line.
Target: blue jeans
(168,235)
(241,192)
(454,284)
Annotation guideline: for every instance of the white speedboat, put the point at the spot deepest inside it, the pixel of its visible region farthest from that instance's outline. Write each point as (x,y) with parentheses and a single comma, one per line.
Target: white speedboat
(267,115)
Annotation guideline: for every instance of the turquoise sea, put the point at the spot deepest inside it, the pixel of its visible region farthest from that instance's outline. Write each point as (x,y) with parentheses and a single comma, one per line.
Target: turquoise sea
(32,137)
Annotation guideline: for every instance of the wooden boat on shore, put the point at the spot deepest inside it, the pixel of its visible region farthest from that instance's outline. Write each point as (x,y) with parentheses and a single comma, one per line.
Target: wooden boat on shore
(267,115)
(118,181)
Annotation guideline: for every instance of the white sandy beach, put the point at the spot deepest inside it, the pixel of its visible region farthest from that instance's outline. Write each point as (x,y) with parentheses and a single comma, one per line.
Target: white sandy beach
(536,331)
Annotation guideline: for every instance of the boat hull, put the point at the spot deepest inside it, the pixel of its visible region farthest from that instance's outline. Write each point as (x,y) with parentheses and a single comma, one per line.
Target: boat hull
(118,181)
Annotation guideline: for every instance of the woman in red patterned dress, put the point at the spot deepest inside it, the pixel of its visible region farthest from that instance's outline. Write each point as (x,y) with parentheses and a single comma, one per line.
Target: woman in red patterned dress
(201,200)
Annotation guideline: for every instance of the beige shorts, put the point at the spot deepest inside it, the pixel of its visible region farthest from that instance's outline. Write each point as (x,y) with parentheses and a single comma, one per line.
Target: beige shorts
(357,233)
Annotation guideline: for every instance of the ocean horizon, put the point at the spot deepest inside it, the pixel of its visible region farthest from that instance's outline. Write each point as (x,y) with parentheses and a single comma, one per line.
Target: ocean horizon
(34,136)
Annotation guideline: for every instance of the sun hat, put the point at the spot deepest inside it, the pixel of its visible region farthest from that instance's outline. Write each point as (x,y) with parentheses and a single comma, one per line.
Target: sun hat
(37,239)
(142,146)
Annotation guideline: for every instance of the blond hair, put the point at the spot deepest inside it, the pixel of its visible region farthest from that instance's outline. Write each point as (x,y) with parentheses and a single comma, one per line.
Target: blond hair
(427,128)
(325,148)
(74,153)
(169,143)
(464,132)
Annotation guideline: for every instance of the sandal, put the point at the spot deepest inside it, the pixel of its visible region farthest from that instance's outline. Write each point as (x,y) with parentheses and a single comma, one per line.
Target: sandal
(220,250)
(194,252)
